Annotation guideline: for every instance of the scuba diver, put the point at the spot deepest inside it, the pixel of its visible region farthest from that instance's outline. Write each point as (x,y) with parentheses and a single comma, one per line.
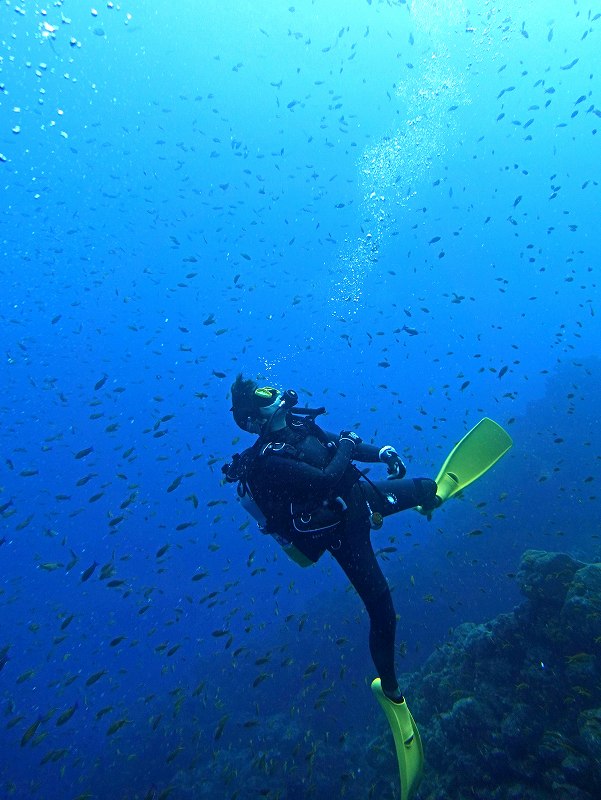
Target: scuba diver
(301,484)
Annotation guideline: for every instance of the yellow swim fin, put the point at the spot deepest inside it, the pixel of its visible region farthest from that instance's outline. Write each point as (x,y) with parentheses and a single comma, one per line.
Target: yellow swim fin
(476,453)
(407,741)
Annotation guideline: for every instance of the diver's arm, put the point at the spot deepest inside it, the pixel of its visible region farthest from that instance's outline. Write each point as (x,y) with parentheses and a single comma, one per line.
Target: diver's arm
(369,454)
(304,476)
(366,453)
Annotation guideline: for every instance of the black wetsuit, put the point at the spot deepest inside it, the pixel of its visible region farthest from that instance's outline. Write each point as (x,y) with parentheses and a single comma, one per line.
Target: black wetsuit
(304,477)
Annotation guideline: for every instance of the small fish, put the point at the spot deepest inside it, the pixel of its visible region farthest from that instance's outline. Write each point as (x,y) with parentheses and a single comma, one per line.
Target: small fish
(107,571)
(29,673)
(570,65)
(183,525)
(174,753)
(54,756)
(86,478)
(155,721)
(95,677)
(24,523)
(30,732)
(175,483)
(220,726)
(85,452)
(4,656)
(87,573)
(116,726)
(66,715)
(50,566)
(65,623)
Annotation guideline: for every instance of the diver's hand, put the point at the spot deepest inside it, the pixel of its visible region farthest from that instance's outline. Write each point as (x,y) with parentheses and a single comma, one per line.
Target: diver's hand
(393,461)
(350,436)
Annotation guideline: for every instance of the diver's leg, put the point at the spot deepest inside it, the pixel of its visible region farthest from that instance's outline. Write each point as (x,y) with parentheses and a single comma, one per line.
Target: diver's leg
(356,557)
(392,496)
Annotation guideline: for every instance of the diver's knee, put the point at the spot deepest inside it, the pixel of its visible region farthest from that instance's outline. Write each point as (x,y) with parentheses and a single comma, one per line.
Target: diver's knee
(381,611)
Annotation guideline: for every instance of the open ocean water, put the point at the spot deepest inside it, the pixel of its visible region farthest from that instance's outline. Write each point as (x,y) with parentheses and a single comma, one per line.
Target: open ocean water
(391,207)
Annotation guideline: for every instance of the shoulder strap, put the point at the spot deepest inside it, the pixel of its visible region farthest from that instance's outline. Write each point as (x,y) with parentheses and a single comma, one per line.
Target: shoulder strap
(314,429)
(280,449)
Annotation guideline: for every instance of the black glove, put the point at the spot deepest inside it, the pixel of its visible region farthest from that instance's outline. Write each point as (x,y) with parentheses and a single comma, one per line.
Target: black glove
(394,464)
(351,436)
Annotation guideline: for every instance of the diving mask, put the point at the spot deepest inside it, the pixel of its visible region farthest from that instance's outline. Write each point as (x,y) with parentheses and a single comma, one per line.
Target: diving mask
(269,401)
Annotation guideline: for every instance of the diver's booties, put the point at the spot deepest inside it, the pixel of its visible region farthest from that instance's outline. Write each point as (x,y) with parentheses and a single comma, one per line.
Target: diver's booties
(395,695)
(426,490)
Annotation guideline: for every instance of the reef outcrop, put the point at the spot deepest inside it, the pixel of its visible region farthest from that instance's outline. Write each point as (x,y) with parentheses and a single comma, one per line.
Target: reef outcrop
(512,708)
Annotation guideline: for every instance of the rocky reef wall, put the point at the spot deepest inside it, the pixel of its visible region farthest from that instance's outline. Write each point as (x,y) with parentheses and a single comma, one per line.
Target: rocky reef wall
(511,709)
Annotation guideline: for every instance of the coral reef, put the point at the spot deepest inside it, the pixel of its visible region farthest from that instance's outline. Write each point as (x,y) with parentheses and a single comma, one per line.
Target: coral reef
(512,708)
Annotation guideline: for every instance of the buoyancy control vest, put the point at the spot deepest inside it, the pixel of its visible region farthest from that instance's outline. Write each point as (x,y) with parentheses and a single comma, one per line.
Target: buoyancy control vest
(288,512)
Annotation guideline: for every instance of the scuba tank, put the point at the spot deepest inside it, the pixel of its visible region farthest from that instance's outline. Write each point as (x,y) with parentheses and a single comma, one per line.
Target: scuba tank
(248,504)
(237,472)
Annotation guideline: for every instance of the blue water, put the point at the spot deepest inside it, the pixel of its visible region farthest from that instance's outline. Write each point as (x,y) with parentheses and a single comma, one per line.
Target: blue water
(390,207)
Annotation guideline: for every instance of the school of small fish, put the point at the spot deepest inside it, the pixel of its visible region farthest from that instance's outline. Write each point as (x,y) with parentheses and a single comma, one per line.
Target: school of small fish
(188,194)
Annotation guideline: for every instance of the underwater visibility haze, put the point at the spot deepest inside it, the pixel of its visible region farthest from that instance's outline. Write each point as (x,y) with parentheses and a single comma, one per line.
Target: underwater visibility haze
(389,207)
